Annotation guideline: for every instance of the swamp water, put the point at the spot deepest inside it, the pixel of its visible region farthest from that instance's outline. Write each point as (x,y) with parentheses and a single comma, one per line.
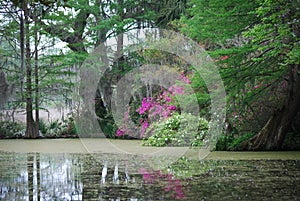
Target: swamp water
(70,176)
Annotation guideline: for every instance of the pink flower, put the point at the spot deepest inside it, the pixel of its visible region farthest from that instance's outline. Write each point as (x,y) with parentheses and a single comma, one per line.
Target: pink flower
(147,103)
(224,57)
(176,90)
(172,108)
(145,125)
(156,110)
(165,114)
(184,78)
(167,99)
(120,132)
(126,115)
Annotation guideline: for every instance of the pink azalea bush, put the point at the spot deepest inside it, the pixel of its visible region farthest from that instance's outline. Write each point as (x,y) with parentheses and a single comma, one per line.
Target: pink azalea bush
(156,108)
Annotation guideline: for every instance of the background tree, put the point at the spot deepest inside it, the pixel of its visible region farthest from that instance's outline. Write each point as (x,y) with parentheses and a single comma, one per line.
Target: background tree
(256,46)
(81,25)
(37,60)
(216,23)
(275,46)
(31,131)
(218,27)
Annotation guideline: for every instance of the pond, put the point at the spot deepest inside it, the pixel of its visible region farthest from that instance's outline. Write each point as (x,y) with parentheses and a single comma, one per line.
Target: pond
(114,177)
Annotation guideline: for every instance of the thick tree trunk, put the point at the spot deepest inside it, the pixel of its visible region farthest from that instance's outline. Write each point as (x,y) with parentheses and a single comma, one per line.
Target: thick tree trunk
(272,135)
(36,74)
(31,131)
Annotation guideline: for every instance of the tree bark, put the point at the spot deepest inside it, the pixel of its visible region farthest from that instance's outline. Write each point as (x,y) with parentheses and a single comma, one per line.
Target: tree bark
(272,135)
(22,53)
(31,131)
(36,74)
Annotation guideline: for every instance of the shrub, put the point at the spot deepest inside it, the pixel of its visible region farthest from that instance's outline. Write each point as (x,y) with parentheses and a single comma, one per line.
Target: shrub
(177,130)
(238,140)
(228,142)
(54,129)
(10,129)
(58,128)
(43,126)
(223,142)
(68,127)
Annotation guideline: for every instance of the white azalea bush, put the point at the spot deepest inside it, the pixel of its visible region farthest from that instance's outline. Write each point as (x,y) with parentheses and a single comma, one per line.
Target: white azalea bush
(177,130)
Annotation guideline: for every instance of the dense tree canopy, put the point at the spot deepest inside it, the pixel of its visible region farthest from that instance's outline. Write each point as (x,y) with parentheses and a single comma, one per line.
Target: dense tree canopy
(254,43)
(257,45)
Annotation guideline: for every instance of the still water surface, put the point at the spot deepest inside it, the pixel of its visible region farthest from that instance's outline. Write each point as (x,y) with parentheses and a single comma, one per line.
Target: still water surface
(41,176)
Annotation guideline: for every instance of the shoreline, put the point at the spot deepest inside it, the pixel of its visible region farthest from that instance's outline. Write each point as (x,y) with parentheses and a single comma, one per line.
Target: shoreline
(113,146)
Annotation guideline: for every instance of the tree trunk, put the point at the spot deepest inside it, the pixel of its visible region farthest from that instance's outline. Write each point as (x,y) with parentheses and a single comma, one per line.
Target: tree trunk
(36,74)
(31,131)
(272,135)
(22,47)
(3,89)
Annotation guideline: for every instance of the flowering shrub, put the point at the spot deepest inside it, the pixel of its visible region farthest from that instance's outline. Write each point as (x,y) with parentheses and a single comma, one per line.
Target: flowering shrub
(177,130)
(158,122)
(152,109)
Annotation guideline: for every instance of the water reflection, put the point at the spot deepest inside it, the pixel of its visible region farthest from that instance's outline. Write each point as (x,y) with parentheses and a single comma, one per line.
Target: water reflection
(40,177)
(35,176)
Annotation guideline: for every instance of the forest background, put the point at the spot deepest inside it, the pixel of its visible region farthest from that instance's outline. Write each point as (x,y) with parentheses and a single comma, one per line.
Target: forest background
(255,45)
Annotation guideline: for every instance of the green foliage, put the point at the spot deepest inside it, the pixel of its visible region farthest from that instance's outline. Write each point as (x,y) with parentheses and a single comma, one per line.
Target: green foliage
(277,35)
(108,127)
(213,22)
(263,79)
(169,10)
(177,130)
(59,128)
(54,129)
(229,142)
(43,126)
(292,141)
(240,139)
(10,129)
(69,128)
(200,90)
(256,45)
(223,142)
(184,167)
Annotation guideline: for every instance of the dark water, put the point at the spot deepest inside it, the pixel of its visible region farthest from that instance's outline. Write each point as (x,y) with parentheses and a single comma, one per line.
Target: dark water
(37,176)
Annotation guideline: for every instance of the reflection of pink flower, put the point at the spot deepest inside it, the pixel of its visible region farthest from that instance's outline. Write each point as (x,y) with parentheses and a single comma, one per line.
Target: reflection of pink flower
(147,176)
(171,184)
(178,190)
